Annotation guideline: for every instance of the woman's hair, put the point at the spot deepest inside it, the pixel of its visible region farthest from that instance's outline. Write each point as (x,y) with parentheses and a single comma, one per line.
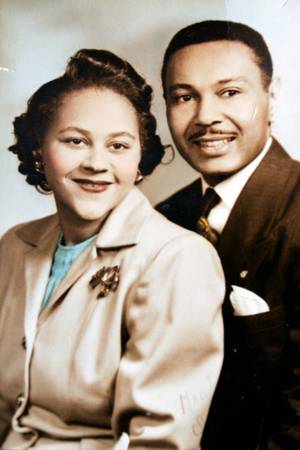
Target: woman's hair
(87,68)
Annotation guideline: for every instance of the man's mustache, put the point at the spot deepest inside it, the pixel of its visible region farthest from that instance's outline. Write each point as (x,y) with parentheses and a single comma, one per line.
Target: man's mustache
(210,132)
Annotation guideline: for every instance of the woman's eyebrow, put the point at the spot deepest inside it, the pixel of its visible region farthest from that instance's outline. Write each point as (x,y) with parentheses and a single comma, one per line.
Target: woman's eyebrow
(78,129)
(121,134)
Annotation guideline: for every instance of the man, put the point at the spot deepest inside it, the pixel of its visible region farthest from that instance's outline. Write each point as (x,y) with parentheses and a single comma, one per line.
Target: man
(217,80)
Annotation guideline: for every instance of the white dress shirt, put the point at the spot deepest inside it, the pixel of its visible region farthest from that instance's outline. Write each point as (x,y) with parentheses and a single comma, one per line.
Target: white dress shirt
(230,189)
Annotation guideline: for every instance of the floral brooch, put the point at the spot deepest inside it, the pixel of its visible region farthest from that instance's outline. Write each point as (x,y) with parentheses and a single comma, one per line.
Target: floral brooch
(107,278)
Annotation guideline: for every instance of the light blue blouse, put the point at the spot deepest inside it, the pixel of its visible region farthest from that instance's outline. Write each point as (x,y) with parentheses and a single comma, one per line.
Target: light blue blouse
(64,257)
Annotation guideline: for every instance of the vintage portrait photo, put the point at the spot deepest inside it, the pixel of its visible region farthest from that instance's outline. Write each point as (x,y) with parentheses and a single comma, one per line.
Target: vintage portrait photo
(150,232)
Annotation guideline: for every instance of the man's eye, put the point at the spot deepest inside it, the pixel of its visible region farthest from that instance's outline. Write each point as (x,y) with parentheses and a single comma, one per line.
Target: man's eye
(230,93)
(180,98)
(184,98)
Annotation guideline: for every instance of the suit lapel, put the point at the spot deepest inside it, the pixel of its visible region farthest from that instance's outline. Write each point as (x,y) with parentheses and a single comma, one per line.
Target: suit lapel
(254,213)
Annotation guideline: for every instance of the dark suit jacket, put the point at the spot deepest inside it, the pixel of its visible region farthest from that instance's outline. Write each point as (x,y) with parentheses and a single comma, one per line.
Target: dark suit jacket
(257,400)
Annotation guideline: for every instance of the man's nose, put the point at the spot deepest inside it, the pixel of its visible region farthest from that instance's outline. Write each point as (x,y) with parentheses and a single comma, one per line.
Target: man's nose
(96,159)
(207,112)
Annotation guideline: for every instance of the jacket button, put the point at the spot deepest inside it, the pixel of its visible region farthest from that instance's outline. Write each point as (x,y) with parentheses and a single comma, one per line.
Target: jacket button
(24,342)
(19,400)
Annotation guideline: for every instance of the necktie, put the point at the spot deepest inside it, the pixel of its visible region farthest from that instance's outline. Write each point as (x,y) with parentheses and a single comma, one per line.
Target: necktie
(209,201)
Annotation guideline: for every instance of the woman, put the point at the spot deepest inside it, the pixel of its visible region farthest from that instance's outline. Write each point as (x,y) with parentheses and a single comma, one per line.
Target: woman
(110,316)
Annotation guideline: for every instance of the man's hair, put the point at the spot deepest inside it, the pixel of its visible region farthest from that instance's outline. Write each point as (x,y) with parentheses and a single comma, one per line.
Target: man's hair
(219,30)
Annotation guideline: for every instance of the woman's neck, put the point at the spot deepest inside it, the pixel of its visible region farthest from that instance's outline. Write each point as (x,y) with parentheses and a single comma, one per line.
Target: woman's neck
(76,231)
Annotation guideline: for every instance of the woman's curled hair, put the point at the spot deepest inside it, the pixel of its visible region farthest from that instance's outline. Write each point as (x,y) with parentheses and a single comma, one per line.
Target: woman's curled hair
(87,68)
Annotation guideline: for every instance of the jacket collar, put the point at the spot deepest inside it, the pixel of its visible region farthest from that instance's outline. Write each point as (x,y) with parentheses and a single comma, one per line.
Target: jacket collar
(257,209)
(122,228)
(36,233)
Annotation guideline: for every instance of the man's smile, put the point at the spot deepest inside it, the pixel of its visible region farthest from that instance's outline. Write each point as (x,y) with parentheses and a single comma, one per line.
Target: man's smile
(212,144)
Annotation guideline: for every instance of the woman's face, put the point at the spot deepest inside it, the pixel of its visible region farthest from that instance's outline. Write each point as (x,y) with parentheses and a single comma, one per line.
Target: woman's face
(91,154)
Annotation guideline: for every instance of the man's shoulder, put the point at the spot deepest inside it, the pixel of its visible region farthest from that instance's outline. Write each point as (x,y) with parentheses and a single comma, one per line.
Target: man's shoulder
(182,206)
(295,167)
(278,157)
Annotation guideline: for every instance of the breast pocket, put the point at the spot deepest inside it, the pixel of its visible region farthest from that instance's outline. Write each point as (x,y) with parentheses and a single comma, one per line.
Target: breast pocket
(259,341)
(266,329)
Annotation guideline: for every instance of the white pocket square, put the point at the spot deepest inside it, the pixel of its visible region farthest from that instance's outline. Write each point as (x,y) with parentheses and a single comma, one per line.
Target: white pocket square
(246,303)
(122,443)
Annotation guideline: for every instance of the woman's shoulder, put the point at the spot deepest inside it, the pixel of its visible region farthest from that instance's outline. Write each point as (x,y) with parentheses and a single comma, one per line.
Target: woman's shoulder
(29,231)
(161,231)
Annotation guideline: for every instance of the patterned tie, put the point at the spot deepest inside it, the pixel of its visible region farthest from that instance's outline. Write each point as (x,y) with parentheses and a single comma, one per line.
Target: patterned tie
(209,201)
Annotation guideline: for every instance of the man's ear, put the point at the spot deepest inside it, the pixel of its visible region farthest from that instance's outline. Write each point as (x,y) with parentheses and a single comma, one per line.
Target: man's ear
(273,98)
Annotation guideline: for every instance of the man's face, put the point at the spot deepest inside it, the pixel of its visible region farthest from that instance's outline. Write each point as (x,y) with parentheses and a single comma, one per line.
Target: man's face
(218,108)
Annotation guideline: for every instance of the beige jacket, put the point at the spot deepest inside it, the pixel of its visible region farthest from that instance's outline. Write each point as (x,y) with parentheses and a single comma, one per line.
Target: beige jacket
(144,359)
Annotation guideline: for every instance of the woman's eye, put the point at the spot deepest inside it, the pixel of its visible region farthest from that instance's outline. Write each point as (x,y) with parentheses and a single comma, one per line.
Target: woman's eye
(118,146)
(75,142)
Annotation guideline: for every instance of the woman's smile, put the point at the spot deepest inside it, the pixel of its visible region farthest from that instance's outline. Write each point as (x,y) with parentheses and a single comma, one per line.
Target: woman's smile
(92,186)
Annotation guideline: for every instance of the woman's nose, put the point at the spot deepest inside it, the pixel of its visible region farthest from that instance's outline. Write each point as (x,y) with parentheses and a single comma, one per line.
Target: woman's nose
(96,160)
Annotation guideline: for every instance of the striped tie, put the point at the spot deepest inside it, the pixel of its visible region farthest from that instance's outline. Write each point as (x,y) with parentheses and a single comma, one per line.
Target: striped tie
(209,201)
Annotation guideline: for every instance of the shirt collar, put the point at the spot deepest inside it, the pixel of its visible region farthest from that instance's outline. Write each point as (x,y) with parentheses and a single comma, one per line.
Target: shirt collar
(230,189)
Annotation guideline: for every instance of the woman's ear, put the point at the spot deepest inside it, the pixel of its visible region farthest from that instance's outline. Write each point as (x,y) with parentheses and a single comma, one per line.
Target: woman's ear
(37,154)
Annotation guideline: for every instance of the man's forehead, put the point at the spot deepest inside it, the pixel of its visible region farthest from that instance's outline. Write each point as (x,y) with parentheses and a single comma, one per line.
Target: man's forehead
(218,60)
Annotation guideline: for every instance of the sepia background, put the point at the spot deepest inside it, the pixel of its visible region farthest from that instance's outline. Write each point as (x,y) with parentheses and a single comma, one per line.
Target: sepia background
(38,36)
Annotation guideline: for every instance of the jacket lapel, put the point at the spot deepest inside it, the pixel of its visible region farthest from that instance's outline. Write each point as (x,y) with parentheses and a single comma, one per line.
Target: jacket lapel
(254,213)
(121,229)
(77,269)
(37,265)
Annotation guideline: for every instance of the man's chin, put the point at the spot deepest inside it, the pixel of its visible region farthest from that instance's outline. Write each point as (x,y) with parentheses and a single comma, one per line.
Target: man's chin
(215,175)
(213,180)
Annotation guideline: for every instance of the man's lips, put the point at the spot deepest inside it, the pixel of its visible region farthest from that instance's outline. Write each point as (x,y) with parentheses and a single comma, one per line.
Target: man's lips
(212,142)
(90,185)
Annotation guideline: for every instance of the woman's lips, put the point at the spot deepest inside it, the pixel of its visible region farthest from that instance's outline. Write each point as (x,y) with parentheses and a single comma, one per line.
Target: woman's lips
(92,186)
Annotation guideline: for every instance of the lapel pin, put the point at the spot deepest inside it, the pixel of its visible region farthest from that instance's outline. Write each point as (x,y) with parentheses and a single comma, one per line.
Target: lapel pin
(107,278)
(243,274)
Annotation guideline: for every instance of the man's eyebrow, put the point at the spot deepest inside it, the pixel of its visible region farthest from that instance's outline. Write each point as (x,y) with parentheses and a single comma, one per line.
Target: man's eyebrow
(232,79)
(176,86)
